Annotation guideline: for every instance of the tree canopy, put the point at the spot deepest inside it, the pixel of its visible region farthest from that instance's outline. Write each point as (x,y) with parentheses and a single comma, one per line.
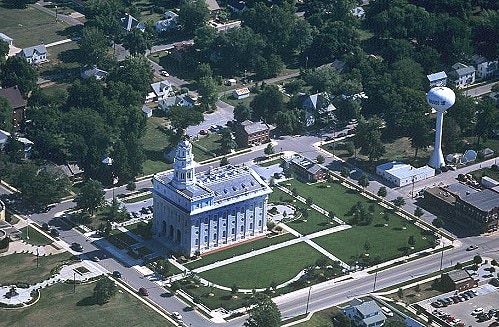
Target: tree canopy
(264,314)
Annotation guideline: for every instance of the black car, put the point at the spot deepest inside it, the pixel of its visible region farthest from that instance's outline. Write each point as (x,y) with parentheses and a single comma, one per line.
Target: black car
(54,232)
(77,247)
(116,274)
(45,226)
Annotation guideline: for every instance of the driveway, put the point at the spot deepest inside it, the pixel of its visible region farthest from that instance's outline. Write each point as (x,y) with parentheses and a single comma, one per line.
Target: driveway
(221,116)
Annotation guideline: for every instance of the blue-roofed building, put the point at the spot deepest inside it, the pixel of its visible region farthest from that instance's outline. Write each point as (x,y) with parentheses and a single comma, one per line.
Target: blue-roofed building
(364,313)
(200,212)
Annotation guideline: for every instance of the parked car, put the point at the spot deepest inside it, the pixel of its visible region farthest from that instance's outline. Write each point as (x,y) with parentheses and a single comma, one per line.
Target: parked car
(176,315)
(477,311)
(95,259)
(45,227)
(143,291)
(203,132)
(164,73)
(54,232)
(116,274)
(472,247)
(77,247)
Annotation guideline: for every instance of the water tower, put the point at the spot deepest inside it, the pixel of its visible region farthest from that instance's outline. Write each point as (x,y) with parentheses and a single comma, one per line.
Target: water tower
(439,98)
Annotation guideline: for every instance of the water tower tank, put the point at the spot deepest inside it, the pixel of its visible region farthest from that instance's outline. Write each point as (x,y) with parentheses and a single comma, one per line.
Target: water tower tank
(441,98)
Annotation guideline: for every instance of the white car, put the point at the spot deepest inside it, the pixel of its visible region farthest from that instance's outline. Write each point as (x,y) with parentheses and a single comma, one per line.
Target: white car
(164,73)
(477,311)
(176,315)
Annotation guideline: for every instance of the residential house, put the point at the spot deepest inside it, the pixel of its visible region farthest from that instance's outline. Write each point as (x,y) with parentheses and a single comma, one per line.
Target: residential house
(358,12)
(16,100)
(237,5)
(306,169)
(94,72)
(147,111)
(160,91)
(7,39)
(4,136)
(169,22)
(437,79)
(128,22)
(458,280)
(485,69)
(317,106)
(462,75)
(241,93)
(250,133)
(364,313)
(213,6)
(177,100)
(34,55)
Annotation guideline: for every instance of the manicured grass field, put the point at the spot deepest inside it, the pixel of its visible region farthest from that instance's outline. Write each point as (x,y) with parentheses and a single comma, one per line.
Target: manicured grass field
(21,267)
(59,306)
(138,198)
(155,142)
(140,229)
(238,250)
(314,222)
(35,237)
(29,27)
(271,163)
(385,242)
(258,272)
(121,240)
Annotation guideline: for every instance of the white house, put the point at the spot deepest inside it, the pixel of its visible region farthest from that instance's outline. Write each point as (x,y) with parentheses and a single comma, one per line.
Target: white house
(177,100)
(128,22)
(402,174)
(485,69)
(437,79)
(4,136)
(241,93)
(168,23)
(160,91)
(315,106)
(200,212)
(94,72)
(34,55)
(364,313)
(462,75)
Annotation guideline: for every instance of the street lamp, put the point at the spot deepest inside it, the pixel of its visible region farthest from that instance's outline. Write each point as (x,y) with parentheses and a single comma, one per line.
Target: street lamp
(308,299)
(27,228)
(56,13)
(108,161)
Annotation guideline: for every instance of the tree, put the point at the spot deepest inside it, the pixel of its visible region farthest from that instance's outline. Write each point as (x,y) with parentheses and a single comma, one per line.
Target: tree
(242,113)
(364,181)
(420,133)
(4,51)
(437,222)
(266,104)
(104,290)
(17,71)
(309,200)
(207,89)
(227,143)
(411,241)
(320,159)
(340,320)
(136,72)
(224,161)
(264,314)
(400,293)
(477,259)
(234,289)
(399,201)
(487,119)
(94,45)
(418,212)
(382,191)
(163,267)
(90,197)
(345,171)
(193,14)
(368,139)
(136,42)
(182,117)
(269,149)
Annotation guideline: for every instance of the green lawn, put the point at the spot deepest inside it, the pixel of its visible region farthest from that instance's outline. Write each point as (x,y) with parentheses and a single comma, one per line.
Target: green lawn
(478,174)
(258,272)
(121,240)
(314,222)
(21,267)
(238,250)
(59,306)
(35,237)
(29,27)
(155,141)
(271,162)
(138,198)
(141,229)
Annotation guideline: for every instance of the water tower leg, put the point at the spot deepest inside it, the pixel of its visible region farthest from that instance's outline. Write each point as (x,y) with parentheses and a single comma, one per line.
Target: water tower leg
(437,157)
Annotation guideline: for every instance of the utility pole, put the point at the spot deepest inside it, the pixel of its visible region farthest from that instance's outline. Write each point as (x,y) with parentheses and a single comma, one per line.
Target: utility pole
(308,299)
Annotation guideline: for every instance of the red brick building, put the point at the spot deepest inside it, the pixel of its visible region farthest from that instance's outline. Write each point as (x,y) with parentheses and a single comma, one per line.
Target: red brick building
(250,133)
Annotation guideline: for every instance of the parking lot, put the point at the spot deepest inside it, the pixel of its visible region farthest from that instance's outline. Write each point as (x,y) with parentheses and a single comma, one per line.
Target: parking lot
(487,299)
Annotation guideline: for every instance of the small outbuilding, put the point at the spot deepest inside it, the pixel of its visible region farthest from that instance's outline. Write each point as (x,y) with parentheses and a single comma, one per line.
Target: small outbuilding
(401,174)
(241,93)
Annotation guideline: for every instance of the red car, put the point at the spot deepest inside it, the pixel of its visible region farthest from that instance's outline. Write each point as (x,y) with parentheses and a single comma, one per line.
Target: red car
(203,132)
(143,292)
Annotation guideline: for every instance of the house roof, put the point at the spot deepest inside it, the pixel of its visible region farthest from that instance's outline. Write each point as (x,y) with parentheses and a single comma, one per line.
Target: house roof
(30,51)
(436,76)
(402,170)
(6,38)
(242,91)
(161,88)
(485,200)
(93,72)
(170,15)
(458,275)
(370,312)
(254,127)
(128,22)
(212,5)
(14,96)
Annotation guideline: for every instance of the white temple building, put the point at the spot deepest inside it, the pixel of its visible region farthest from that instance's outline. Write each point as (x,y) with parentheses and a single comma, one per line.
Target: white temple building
(197,213)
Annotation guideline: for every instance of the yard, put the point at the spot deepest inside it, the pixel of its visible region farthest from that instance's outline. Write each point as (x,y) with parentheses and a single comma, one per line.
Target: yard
(35,237)
(155,141)
(121,240)
(59,306)
(238,250)
(29,27)
(276,266)
(21,267)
